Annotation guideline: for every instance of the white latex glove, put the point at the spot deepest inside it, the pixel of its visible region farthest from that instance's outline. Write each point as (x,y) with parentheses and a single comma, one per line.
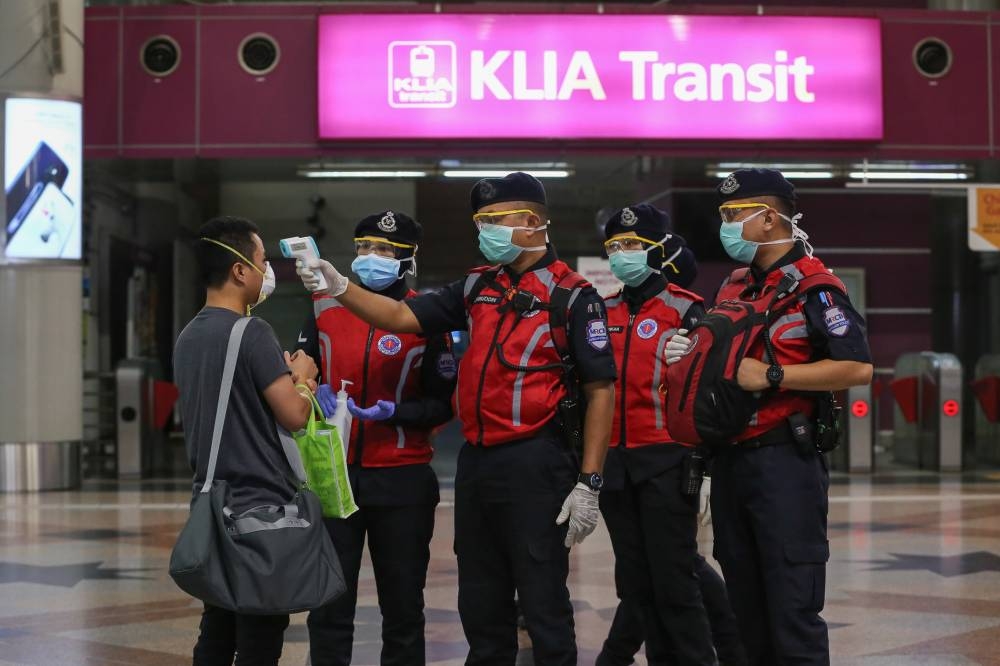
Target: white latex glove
(336,283)
(704,506)
(677,346)
(581,509)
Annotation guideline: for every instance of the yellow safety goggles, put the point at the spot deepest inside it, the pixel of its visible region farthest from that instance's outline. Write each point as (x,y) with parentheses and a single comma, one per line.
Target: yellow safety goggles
(378,245)
(729,212)
(628,244)
(494,217)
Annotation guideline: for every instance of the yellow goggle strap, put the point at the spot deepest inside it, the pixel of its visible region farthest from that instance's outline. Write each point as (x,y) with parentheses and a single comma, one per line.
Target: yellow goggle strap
(376,239)
(652,243)
(752,204)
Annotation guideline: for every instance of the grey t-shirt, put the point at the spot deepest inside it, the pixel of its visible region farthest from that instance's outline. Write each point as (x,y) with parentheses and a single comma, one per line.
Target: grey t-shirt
(251,459)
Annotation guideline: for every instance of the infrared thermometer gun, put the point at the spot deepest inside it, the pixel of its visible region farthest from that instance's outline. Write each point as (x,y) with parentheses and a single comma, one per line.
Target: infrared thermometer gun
(303,248)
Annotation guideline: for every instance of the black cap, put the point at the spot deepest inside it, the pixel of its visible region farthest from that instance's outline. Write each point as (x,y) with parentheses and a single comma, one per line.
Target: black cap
(749,183)
(517,186)
(643,219)
(391,225)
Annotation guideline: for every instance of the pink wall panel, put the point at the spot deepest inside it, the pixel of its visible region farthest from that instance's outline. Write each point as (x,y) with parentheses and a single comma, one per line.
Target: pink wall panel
(101,91)
(995,45)
(240,110)
(158,114)
(211,107)
(948,112)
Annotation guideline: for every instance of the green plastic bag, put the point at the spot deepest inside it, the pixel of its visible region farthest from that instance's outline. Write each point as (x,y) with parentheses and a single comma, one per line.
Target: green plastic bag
(324,458)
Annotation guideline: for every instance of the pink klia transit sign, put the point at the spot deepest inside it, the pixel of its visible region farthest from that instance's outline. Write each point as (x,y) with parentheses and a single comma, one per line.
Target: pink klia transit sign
(548,76)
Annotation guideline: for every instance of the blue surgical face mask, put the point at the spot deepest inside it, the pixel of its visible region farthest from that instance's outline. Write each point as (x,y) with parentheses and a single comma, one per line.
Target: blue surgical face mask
(631,266)
(743,250)
(497,244)
(375,271)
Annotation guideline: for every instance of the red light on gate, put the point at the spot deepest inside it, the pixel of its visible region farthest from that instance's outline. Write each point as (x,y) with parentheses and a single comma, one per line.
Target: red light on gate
(859,408)
(950,408)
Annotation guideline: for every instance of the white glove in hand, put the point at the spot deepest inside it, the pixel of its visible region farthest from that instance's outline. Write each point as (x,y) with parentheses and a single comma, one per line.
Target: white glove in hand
(704,505)
(677,346)
(308,272)
(581,509)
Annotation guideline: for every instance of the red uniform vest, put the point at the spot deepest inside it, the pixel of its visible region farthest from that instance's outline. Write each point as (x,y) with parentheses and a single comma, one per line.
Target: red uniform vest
(789,336)
(497,403)
(383,366)
(638,341)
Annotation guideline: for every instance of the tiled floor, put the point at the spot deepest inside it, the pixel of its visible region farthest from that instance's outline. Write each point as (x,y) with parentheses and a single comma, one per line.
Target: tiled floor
(914,578)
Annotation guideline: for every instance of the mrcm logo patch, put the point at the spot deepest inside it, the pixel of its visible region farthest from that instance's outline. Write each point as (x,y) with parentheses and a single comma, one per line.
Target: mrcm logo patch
(447,368)
(597,334)
(836,321)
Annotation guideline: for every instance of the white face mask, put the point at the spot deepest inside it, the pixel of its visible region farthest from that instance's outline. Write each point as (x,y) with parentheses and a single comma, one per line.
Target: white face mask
(267,285)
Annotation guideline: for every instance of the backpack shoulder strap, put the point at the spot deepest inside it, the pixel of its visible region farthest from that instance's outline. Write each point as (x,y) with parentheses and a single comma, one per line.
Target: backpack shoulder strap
(477,280)
(563,296)
(821,280)
(739,274)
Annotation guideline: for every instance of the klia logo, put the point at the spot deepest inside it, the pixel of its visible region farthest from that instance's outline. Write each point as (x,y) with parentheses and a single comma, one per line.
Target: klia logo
(422,74)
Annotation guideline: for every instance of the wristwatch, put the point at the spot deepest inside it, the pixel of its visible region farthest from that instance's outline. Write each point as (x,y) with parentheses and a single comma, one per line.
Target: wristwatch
(592,480)
(775,375)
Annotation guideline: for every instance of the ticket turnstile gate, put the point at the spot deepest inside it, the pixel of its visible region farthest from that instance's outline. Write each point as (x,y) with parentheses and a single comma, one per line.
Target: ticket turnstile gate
(927,423)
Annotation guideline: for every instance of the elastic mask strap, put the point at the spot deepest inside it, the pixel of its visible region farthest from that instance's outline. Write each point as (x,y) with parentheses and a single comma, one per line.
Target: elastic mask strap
(536,248)
(659,244)
(236,252)
(670,261)
(240,255)
(798,233)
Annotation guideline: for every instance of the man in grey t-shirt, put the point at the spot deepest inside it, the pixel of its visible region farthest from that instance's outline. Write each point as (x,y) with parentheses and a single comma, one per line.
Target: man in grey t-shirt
(250,456)
(268,388)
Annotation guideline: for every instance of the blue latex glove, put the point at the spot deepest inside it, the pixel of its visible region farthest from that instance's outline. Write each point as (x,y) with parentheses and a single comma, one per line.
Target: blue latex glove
(327,399)
(380,411)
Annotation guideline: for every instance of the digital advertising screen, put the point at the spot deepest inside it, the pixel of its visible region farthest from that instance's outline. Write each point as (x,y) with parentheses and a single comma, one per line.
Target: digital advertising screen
(43,181)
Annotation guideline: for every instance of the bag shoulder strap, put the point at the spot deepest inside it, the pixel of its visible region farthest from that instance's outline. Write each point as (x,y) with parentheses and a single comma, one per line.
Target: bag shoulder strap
(787,292)
(288,445)
(225,388)
(790,289)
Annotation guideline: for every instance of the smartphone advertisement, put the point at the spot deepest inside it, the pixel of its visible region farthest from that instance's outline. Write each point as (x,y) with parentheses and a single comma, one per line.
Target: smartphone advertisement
(43,159)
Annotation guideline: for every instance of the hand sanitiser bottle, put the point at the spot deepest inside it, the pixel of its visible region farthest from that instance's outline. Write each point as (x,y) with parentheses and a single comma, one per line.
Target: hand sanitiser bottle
(341,436)
(341,416)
